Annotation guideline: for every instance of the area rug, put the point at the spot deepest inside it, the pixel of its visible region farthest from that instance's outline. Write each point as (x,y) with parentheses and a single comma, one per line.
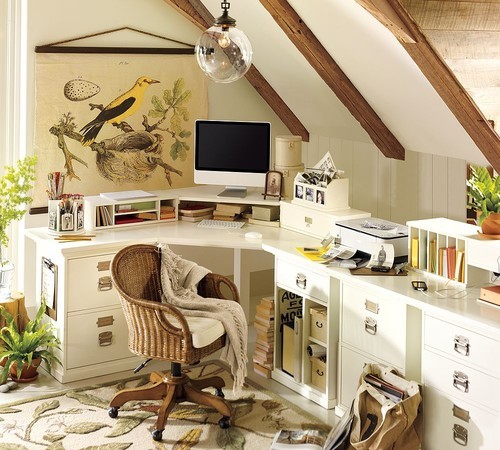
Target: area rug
(78,419)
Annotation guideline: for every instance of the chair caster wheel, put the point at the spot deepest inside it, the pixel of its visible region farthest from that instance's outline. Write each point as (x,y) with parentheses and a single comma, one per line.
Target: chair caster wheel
(157,435)
(225,422)
(113,412)
(219,392)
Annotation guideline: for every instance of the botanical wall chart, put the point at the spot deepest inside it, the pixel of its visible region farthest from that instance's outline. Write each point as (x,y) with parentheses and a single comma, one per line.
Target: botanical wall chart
(114,122)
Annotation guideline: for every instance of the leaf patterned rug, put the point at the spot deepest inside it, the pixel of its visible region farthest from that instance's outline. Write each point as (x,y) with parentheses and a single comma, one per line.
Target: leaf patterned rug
(78,419)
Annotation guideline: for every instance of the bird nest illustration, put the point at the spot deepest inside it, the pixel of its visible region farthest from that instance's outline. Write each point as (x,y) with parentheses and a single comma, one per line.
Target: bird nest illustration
(132,155)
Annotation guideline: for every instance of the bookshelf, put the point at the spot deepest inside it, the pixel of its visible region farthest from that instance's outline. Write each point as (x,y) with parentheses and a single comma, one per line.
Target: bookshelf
(440,247)
(104,213)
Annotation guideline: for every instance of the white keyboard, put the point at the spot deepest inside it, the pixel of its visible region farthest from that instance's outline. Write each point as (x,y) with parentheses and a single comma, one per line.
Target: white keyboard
(220,224)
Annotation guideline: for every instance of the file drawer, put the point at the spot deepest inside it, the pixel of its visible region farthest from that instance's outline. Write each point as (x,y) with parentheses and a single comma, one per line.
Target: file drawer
(462,344)
(96,337)
(318,323)
(89,283)
(303,281)
(453,424)
(374,325)
(461,381)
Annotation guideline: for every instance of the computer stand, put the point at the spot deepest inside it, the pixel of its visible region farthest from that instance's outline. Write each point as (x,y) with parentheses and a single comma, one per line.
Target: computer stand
(233,191)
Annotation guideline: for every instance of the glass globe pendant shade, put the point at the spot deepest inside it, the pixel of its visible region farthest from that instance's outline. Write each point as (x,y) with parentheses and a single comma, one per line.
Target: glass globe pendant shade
(224,53)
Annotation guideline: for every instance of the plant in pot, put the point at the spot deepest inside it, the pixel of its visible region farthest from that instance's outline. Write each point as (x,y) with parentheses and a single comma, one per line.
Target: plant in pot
(22,351)
(15,185)
(484,198)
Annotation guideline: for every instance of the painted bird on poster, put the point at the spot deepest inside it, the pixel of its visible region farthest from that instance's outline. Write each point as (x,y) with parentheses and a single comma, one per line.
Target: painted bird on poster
(123,106)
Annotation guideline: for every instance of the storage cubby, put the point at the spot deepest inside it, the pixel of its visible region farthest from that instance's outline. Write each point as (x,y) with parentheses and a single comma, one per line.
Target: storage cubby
(103,213)
(439,247)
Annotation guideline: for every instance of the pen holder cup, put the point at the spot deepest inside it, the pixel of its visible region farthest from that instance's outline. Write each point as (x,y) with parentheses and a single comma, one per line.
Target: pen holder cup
(66,216)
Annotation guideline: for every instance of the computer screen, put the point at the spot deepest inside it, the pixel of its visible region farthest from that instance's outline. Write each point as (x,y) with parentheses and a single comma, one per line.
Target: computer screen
(236,154)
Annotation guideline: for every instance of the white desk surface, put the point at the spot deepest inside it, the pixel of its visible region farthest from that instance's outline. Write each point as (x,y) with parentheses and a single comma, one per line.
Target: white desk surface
(455,302)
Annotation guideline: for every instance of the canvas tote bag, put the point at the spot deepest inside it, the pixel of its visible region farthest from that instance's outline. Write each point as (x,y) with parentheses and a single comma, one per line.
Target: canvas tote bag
(382,424)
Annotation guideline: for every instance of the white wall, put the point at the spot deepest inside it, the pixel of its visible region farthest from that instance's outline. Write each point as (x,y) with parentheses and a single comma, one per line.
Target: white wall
(422,186)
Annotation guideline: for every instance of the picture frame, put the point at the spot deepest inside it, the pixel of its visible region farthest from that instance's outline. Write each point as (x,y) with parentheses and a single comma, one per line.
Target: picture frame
(274,184)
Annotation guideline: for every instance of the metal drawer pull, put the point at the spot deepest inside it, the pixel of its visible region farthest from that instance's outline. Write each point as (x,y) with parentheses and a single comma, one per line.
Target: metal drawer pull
(105,321)
(461,381)
(461,413)
(105,284)
(103,265)
(370,325)
(461,345)
(460,434)
(301,280)
(371,306)
(105,338)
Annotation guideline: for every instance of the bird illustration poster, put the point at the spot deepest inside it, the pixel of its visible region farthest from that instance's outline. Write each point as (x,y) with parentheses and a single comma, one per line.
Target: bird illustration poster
(116,122)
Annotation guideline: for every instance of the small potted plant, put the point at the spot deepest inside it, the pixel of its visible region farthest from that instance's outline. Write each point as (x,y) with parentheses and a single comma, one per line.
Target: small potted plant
(484,195)
(22,351)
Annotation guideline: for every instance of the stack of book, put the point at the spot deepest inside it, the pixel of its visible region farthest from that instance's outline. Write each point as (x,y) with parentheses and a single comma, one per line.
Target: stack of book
(195,212)
(264,342)
(167,212)
(229,211)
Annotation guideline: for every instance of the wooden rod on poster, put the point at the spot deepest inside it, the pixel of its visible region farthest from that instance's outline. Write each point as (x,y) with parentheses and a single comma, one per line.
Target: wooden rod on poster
(115,50)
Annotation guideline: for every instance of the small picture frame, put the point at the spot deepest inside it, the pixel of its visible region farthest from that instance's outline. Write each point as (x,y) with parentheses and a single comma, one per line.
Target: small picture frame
(299,191)
(310,194)
(274,184)
(320,196)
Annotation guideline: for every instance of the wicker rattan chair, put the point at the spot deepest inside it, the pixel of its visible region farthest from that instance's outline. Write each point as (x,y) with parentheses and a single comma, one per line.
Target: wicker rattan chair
(159,331)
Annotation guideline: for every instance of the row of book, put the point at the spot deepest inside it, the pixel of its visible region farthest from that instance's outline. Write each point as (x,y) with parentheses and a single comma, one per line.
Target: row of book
(126,214)
(261,215)
(264,342)
(447,262)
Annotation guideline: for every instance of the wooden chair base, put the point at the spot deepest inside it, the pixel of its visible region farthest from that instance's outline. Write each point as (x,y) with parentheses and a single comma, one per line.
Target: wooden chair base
(173,390)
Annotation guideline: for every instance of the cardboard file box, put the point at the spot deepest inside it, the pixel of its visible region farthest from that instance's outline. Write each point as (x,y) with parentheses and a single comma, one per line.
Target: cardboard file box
(318,372)
(318,325)
(265,212)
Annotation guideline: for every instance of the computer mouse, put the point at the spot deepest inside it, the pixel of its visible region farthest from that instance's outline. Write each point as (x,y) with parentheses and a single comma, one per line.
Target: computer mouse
(253,235)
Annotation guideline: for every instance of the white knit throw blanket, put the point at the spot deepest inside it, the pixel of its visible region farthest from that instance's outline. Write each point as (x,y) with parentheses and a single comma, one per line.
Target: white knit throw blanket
(179,279)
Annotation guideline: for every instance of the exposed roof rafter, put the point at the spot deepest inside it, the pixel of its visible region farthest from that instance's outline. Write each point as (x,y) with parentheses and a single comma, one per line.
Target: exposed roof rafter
(314,52)
(198,14)
(443,80)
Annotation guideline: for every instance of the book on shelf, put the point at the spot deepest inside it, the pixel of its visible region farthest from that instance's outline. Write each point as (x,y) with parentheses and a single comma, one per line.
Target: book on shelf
(414,252)
(195,218)
(265,311)
(261,370)
(234,208)
(451,259)
(120,220)
(167,215)
(432,256)
(442,265)
(195,209)
(266,212)
(223,217)
(147,215)
(167,208)
(490,294)
(460,266)
(265,223)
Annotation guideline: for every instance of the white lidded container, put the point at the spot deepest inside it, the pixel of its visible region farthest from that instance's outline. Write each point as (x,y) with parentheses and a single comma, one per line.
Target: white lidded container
(288,151)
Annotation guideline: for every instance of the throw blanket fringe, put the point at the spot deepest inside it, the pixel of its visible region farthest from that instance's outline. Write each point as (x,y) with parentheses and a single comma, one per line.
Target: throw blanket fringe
(180,278)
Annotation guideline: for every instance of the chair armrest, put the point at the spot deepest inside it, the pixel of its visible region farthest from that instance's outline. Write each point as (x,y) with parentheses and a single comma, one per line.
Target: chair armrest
(210,287)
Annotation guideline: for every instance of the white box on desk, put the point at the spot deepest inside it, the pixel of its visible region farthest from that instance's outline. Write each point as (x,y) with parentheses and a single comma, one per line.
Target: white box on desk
(334,197)
(314,222)
(353,234)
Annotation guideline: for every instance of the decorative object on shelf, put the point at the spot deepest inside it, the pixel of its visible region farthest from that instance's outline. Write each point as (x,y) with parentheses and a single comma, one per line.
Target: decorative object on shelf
(29,346)
(65,214)
(274,184)
(491,225)
(14,187)
(484,193)
(223,52)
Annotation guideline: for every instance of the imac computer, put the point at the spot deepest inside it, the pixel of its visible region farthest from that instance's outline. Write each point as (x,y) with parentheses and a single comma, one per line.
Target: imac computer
(236,154)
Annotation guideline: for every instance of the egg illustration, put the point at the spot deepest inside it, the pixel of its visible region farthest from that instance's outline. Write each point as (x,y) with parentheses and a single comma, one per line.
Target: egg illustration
(78,90)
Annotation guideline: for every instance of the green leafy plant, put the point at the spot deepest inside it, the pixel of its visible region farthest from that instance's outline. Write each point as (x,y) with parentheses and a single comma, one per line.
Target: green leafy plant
(484,192)
(37,340)
(15,185)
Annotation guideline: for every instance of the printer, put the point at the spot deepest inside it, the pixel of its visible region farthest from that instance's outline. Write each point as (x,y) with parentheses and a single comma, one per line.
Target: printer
(361,234)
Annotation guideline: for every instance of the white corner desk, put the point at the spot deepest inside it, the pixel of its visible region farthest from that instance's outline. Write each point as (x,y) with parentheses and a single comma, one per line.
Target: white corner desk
(443,338)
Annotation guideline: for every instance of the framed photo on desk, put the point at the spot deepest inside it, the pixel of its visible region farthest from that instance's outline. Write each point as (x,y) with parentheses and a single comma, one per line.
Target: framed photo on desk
(274,184)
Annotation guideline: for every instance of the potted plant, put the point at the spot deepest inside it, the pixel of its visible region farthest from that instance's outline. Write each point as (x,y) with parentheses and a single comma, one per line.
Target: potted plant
(484,193)
(23,349)
(15,185)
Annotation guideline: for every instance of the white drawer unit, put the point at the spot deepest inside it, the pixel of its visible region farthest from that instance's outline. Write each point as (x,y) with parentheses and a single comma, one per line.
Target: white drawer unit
(462,344)
(89,283)
(452,424)
(374,324)
(303,281)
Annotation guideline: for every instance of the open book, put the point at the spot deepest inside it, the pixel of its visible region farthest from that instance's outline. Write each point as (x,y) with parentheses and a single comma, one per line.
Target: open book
(336,439)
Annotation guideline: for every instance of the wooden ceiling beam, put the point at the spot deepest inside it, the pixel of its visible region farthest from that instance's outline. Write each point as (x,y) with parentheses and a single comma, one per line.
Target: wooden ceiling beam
(449,88)
(314,52)
(196,12)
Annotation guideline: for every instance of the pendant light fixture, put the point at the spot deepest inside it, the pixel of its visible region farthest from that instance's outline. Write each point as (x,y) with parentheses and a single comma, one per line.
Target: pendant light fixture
(223,52)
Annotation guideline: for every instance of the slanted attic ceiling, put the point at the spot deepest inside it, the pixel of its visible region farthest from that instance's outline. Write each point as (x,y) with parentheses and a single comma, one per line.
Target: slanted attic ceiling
(379,68)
